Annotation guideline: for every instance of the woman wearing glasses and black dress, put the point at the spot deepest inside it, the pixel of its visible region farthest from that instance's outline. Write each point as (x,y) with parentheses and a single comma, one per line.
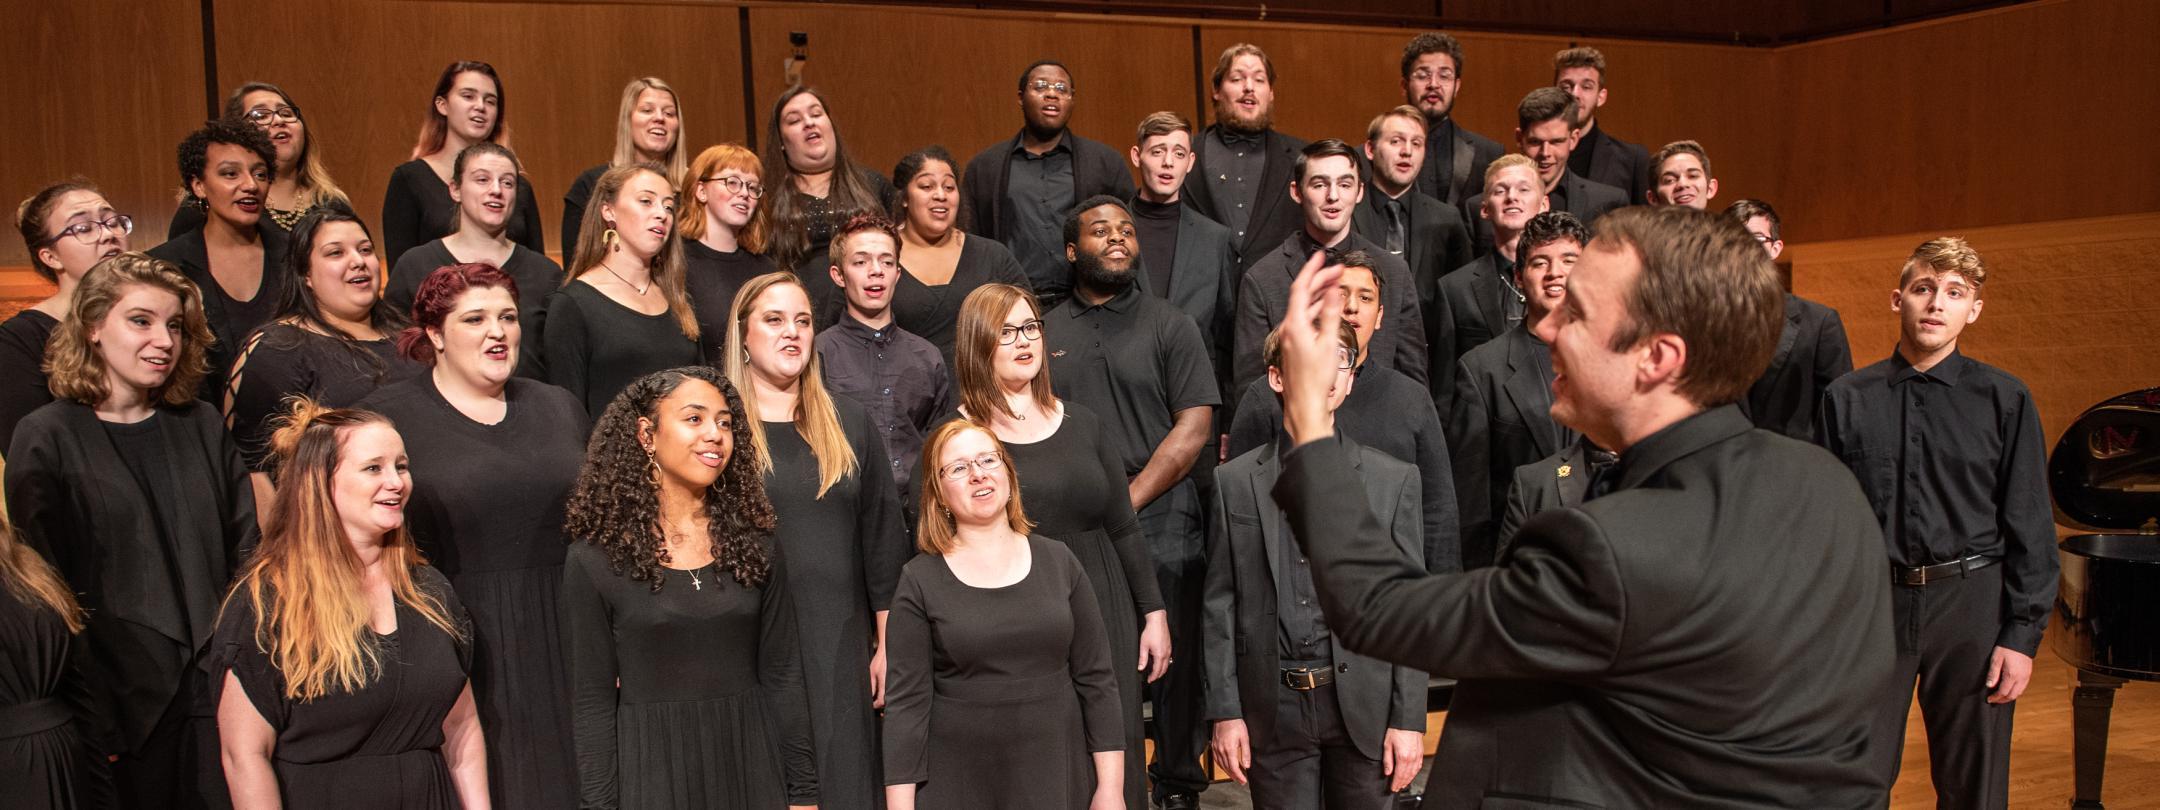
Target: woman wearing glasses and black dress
(720,253)
(67,227)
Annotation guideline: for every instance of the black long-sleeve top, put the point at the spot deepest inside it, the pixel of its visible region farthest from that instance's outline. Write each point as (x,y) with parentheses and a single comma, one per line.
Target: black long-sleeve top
(596,347)
(417,208)
(1953,460)
(22,374)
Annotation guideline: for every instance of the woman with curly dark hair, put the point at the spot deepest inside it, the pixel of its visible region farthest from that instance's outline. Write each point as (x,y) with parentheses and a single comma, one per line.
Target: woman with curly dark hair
(236,255)
(683,698)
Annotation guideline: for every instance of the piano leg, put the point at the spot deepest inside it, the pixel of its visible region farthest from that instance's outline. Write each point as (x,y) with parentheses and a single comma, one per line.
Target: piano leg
(2091,704)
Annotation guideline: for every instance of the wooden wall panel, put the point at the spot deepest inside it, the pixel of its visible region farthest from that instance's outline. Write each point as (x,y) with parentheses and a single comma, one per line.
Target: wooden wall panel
(81,100)
(364,68)
(900,80)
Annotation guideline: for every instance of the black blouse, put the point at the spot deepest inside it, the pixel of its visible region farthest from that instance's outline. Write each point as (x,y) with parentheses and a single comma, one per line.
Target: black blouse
(596,347)
(231,319)
(287,361)
(22,373)
(712,278)
(933,313)
(535,274)
(417,208)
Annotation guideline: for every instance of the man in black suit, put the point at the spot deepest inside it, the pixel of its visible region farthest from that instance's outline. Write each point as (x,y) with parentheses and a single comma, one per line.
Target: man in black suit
(1707,629)
(1480,301)
(1544,130)
(1811,353)
(1502,417)
(1020,189)
(1244,164)
(1328,186)
(1580,72)
(1302,721)
(1426,233)
(1557,481)
(1432,66)
(1189,260)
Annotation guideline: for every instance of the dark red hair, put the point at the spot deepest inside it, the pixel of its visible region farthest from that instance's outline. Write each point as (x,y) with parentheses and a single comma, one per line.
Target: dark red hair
(437,294)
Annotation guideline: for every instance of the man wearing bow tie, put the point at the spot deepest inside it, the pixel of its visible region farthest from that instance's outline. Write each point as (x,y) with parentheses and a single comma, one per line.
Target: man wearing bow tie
(1243,163)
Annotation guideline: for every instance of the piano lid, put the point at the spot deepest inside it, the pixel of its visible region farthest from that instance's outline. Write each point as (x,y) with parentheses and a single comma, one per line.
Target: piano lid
(2105,472)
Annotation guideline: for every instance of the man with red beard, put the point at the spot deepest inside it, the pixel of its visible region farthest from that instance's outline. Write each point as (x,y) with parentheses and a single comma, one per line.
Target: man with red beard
(1020,189)
(1242,163)
(1580,72)
(1426,233)
(1432,67)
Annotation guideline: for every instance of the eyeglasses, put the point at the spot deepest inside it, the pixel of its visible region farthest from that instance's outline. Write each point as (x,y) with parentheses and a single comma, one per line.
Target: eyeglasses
(958,470)
(737,185)
(1045,86)
(1427,75)
(90,232)
(1345,359)
(1763,238)
(260,116)
(1032,330)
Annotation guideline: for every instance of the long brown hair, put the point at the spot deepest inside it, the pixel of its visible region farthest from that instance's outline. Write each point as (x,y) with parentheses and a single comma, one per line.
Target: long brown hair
(782,222)
(74,369)
(304,583)
(975,345)
(25,575)
(667,265)
(435,128)
(814,417)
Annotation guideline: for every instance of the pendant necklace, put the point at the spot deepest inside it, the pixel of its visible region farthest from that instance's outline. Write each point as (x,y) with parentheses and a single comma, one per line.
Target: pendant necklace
(695,583)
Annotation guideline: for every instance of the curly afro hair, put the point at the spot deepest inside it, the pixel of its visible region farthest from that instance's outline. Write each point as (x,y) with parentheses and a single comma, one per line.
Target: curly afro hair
(195,149)
(616,505)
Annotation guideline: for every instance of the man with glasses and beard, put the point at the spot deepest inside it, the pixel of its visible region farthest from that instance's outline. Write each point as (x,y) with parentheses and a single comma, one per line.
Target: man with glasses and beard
(1019,189)
(1455,158)
(1243,164)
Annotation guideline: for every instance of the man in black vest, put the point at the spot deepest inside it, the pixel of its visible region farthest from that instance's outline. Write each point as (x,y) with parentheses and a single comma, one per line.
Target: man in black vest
(1812,351)
(1580,72)
(1429,235)
(1544,128)
(1432,67)
(1020,189)
(1244,164)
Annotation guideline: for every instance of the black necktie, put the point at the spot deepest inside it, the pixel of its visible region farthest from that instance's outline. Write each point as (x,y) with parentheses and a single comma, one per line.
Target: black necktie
(1395,226)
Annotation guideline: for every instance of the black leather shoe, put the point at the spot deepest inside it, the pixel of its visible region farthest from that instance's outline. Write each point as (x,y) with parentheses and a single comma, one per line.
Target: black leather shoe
(1180,801)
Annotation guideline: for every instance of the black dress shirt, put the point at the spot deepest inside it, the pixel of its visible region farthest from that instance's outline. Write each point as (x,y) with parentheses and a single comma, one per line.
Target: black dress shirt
(1233,170)
(1305,640)
(1136,361)
(1157,227)
(1952,458)
(1038,194)
(898,378)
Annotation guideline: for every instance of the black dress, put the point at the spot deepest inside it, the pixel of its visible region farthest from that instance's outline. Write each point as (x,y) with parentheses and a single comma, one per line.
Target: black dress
(596,347)
(287,361)
(713,277)
(417,208)
(573,207)
(933,313)
(48,763)
(536,276)
(379,747)
(22,372)
(691,697)
(231,319)
(1086,507)
(844,553)
(1021,675)
(487,510)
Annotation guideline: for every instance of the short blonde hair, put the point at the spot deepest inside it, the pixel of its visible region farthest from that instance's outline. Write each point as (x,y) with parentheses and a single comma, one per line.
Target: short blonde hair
(73,367)
(936,528)
(1505,162)
(1944,255)
(1372,130)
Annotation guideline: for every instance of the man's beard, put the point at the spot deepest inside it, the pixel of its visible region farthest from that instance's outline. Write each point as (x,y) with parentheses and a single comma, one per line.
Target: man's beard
(1089,272)
(1226,114)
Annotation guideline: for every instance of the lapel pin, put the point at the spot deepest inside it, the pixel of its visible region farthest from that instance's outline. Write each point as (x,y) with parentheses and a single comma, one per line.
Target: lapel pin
(1566,470)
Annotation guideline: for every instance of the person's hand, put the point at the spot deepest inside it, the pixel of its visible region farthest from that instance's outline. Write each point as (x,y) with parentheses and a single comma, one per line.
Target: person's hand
(1232,748)
(1402,755)
(1310,341)
(1155,645)
(1107,799)
(877,678)
(2009,672)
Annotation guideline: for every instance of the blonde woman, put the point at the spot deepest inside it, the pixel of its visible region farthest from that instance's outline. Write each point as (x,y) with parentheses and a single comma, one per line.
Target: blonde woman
(648,129)
(624,312)
(342,656)
(838,525)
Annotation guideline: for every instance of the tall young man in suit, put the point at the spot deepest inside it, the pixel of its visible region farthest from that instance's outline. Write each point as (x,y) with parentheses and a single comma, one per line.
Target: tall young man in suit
(1950,452)
(1478,302)
(1812,350)
(1427,234)
(1544,129)
(1432,68)
(1244,164)
(1502,417)
(1303,721)
(1580,72)
(1188,259)
(1707,627)
(1021,188)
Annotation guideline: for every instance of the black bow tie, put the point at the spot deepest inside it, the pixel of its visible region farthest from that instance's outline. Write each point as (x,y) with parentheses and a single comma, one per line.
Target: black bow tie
(1234,137)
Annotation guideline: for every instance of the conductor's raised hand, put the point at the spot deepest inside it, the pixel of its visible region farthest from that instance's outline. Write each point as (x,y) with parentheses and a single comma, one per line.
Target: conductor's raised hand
(1310,342)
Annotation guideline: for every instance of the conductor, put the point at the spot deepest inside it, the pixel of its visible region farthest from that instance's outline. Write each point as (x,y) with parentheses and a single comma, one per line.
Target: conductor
(1709,629)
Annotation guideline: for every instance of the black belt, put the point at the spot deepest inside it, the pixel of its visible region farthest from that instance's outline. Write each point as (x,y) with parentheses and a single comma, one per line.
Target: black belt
(1306,679)
(42,714)
(1922,575)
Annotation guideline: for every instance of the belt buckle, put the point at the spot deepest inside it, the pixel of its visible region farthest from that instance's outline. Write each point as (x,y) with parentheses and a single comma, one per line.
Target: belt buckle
(1919,577)
(1300,679)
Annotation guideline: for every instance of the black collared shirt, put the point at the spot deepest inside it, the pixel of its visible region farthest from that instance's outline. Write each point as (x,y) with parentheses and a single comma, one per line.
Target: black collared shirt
(1304,633)
(1438,173)
(1232,170)
(1953,460)
(1578,161)
(1556,199)
(1038,194)
(897,377)
(1136,361)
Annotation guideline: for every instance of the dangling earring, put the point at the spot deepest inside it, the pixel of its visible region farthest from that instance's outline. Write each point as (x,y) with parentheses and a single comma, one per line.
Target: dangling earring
(610,239)
(652,471)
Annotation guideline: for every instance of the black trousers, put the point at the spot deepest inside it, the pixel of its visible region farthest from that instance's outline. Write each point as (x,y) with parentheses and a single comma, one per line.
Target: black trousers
(1312,764)
(1945,638)
(1176,527)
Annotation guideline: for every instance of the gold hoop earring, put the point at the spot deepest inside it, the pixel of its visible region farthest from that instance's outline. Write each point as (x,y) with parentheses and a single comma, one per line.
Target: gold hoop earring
(609,239)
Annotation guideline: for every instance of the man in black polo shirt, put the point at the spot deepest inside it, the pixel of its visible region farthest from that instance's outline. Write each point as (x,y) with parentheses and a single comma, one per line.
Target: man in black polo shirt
(898,377)
(1020,188)
(1141,364)
(1949,451)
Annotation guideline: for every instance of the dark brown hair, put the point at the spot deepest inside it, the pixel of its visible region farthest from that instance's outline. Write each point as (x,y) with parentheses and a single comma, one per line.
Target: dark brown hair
(975,344)
(1705,280)
(781,218)
(435,127)
(1431,42)
(1545,104)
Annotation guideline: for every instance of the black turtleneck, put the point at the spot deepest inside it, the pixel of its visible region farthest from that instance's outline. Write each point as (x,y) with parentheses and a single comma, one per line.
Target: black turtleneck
(1157,224)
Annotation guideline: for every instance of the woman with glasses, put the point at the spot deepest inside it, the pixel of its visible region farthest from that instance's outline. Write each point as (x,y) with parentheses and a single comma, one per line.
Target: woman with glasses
(237,255)
(67,228)
(716,217)
(814,187)
(301,183)
(485,186)
(1074,486)
(469,107)
(1003,628)
(648,129)
(940,264)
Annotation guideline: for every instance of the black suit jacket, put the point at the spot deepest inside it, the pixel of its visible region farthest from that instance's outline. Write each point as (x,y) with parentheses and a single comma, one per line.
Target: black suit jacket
(1811,352)
(1239,626)
(1457,170)
(1205,284)
(1264,295)
(1708,634)
(1617,163)
(1436,240)
(1501,420)
(1553,482)
(1469,308)
(1274,215)
(1586,199)
(1097,169)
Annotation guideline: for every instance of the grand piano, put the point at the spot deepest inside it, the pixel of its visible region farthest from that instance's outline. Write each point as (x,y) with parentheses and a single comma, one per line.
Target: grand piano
(2105,476)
